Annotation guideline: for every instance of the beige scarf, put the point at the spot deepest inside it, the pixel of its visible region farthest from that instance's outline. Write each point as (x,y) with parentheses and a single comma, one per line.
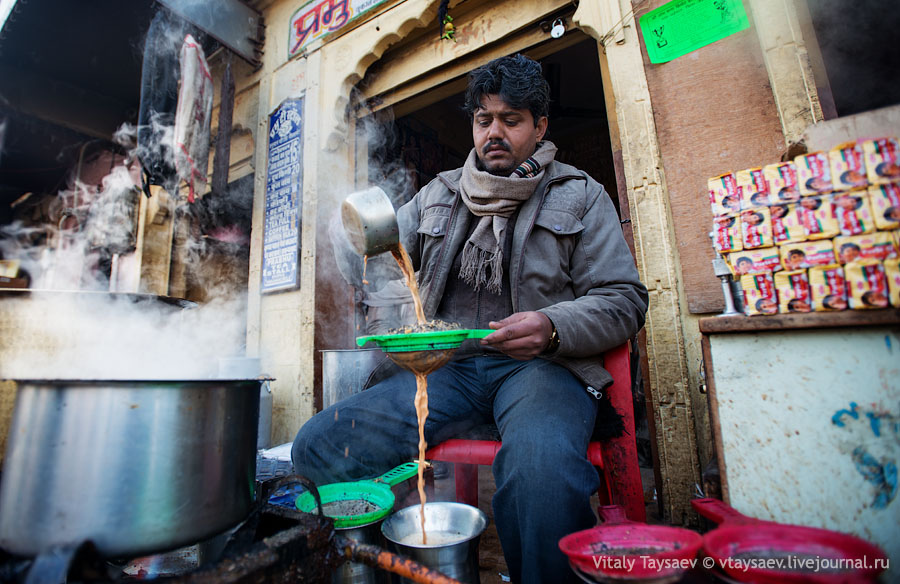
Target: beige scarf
(495,199)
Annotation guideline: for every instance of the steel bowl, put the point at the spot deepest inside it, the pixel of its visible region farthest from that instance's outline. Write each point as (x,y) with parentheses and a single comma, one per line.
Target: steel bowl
(454,531)
(136,467)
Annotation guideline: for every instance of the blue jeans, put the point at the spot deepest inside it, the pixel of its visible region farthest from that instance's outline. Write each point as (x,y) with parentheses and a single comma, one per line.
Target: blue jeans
(545,418)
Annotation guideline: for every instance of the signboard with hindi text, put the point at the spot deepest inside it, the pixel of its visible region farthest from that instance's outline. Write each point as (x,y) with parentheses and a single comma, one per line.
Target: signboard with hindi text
(318,18)
(682,26)
(284,189)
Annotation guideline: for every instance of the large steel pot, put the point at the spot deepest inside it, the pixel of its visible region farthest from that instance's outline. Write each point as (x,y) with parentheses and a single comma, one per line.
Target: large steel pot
(136,467)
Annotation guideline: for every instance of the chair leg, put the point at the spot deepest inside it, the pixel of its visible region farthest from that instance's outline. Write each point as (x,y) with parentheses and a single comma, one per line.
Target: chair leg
(466,477)
(603,490)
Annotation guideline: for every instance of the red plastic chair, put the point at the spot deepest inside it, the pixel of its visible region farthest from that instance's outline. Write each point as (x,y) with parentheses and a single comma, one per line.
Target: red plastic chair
(616,459)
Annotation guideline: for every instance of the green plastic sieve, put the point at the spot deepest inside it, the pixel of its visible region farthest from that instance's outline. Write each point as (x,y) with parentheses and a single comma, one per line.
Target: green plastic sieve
(424,341)
(376,492)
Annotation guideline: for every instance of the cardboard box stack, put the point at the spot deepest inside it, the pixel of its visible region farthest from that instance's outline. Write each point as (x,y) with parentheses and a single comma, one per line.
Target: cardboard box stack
(819,233)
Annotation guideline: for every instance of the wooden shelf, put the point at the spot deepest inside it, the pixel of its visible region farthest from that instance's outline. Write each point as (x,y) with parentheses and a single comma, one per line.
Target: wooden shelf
(814,320)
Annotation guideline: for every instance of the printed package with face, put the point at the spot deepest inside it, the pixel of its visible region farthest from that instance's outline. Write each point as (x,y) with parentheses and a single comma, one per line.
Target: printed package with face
(882,160)
(756,228)
(760,297)
(793,291)
(798,256)
(787,224)
(853,212)
(885,202)
(782,180)
(892,273)
(848,166)
(872,246)
(817,216)
(828,288)
(813,173)
(867,285)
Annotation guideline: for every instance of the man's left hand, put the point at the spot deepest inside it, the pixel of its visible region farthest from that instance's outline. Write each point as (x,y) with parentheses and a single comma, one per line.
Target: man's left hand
(522,336)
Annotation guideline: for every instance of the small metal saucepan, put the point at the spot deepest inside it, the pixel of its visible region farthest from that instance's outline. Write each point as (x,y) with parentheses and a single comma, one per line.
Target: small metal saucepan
(623,550)
(370,222)
(766,552)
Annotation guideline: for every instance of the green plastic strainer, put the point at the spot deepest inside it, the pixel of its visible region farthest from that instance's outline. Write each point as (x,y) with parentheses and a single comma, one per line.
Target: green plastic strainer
(373,493)
(424,341)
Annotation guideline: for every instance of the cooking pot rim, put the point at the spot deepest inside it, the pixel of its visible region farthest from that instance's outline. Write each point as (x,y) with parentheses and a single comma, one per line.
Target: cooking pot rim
(209,380)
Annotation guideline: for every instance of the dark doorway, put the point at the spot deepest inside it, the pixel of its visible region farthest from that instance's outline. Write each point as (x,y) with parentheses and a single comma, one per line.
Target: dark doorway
(410,151)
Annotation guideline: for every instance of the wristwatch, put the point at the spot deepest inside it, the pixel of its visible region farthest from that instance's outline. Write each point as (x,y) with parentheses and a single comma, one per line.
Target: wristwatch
(553,345)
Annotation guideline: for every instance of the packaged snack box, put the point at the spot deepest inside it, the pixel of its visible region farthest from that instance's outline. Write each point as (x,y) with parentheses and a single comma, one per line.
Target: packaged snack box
(892,272)
(882,160)
(866,284)
(755,261)
(853,213)
(797,256)
(873,246)
(793,291)
(848,166)
(813,173)
(756,228)
(817,216)
(727,233)
(828,288)
(782,180)
(787,226)
(759,294)
(723,194)
(885,202)
(752,188)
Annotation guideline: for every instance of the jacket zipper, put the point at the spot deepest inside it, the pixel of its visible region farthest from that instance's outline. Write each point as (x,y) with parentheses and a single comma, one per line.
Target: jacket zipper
(444,244)
(514,286)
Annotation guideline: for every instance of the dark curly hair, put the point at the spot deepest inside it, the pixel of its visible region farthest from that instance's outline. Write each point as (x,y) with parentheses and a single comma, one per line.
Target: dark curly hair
(518,81)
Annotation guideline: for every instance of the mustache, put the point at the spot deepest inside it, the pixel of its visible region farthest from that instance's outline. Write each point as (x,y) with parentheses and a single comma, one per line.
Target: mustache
(495,143)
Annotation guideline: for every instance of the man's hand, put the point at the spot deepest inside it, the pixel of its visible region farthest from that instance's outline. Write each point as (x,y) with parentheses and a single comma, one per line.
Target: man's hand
(522,336)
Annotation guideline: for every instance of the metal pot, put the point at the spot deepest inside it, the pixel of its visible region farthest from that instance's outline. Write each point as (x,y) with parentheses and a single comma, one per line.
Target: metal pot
(345,372)
(357,572)
(137,467)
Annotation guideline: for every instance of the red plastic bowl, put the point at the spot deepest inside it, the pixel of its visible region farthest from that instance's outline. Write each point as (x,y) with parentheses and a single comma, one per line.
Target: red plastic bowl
(629,550)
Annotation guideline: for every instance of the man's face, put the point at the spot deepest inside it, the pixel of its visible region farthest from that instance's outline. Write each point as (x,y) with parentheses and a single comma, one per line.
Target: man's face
(504,137)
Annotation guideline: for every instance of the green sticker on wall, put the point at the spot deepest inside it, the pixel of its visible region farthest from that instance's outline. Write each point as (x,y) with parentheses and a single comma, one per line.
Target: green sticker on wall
(682,26)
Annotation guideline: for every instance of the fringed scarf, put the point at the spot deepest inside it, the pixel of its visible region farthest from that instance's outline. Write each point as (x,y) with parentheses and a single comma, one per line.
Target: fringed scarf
(495,199)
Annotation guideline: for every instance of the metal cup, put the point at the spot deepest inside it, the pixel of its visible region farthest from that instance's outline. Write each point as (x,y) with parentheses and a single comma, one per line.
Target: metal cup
(370,222)
(454,530)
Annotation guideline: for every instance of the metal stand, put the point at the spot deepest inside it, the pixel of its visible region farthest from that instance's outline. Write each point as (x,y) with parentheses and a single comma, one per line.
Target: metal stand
(722,271)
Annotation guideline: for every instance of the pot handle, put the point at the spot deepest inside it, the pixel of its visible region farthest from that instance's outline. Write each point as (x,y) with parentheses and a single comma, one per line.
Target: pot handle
(720,512)
(397,475)
(291,480)
(52,565)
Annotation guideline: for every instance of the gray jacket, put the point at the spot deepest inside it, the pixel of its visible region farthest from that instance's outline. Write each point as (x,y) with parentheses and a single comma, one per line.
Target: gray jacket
(569,260)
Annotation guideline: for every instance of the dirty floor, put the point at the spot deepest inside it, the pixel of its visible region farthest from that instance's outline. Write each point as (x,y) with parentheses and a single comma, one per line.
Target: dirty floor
(491,562)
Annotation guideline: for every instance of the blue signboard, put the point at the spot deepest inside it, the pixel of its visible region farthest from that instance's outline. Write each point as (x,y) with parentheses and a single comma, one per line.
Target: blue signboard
(284,189)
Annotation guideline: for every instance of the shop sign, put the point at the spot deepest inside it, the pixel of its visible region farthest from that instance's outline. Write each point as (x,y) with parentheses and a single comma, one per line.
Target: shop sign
(682,26)
(284,189)
(321,17)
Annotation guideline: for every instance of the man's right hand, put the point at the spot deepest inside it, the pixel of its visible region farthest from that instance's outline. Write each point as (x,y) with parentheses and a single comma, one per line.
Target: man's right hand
(522,336)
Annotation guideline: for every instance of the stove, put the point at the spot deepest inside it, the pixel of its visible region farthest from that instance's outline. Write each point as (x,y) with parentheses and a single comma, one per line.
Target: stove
(274,544)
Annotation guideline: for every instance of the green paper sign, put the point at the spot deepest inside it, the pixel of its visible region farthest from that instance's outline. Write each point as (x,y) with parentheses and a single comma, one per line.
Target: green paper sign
(682,26)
